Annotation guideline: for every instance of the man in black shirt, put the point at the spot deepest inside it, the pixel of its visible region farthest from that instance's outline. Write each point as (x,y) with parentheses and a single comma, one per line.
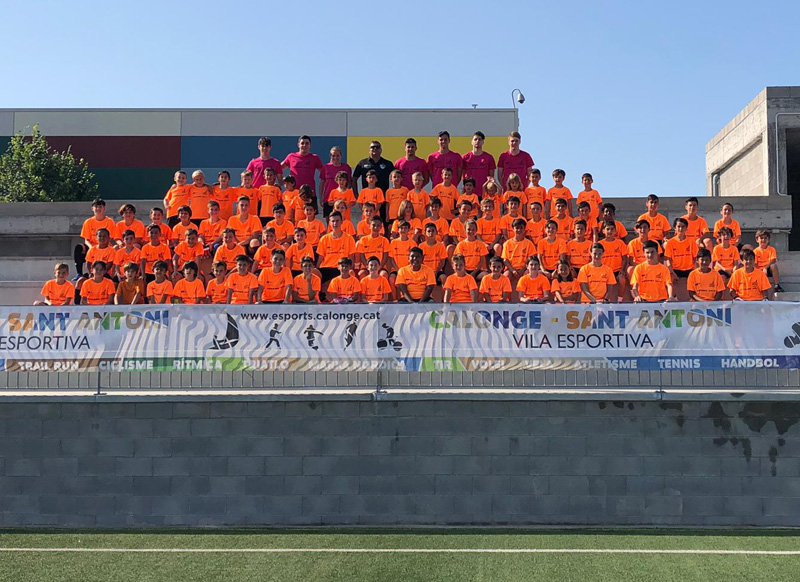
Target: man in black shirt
(382,167)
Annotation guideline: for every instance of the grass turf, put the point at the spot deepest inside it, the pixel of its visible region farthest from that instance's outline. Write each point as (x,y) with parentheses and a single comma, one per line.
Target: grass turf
(176,567)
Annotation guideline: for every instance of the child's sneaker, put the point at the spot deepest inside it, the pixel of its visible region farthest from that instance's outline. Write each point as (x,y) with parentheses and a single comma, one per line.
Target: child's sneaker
(778,289)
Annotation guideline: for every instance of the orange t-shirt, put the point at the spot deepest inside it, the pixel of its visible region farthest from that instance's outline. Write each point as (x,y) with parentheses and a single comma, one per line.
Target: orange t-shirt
(151,254)
(564,231)
(394,196)
(442,227)
(314,230)
(448,196)
(263,256)
(369,245)
(186,253)
(241,286)
(274,284)
(420,201)
(433,255)
(97,293)
(58,294)
(550,252)
(137,226)
(598,280)
(765,256)
(217,292)
(614,251)
(225,198)
(506,225)
(651,281)
(535,230)
(554,194)
(166,233)
(659,225)
(126,292)
(252,195)
(331,249)
(347,196)
(594,200)
(705,285)
(374,290)
(198,201)
(472,251)
(580,253)
(300,284)
(107,255)
(188,292)
(160,291)
(211,231)
(488,229)
(495,289)
(122,257)
(536,194)
(294,254)
(179,231)
(749,286)
(523,198)
(681,253)
(533,287)
(472,199)
(374,195)
(283,231)
(696,228)
(622,232)
(517,252)
(91,226)
(176,197)
(244,228)
(636,251)
(363,228)
(566,288)
(268,196)
(399,251)
(416,281)
(458,230)
(228,256)
(461,288)
(345,287)
(734,226)
(725,259)
(415,223)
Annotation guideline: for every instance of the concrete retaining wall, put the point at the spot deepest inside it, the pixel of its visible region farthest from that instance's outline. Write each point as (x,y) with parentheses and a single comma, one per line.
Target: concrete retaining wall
(140,463)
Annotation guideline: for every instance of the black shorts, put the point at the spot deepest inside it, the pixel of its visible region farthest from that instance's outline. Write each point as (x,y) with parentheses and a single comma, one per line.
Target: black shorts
(616,274)
(404,300)
(769,271)
(296,273)
(682,273)
(328,273)
(149,277)
(273,302)
(196,221)
(172,221)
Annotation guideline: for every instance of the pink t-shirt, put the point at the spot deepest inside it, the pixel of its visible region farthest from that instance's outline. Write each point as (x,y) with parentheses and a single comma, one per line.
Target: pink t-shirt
(409,167)
(515,165)
(438,161)
(479,167)
(303,168)
(328,177)
(258,165)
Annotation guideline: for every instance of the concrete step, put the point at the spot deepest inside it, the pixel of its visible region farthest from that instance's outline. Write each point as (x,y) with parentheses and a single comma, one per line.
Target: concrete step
(32,269)
(19,292)
(39,245)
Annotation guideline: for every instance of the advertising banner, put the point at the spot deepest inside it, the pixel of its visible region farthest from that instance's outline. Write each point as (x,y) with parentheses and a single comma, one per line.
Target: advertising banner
(429,337)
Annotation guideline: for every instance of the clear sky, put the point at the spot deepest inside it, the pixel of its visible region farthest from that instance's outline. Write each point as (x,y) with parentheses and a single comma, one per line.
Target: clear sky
(629,91)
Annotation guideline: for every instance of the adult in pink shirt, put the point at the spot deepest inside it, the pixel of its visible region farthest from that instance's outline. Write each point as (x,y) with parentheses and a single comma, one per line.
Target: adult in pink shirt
(410,164)
(444,158)
(478,164)
(303,165)
(328,176)
(514,161)
(262,162)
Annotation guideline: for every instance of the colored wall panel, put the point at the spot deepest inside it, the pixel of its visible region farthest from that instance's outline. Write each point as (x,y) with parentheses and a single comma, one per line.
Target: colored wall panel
(414,123)
(229,152)
(122,151)
(133,183)
(395,148)
(6,123)
(4,141)
(100,122)
(293,123)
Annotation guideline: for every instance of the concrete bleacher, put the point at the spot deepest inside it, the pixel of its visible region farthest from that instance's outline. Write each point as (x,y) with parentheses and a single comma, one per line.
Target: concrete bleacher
(37,235)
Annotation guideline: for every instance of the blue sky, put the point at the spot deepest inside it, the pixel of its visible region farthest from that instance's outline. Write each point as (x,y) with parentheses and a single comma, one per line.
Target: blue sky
(629,91)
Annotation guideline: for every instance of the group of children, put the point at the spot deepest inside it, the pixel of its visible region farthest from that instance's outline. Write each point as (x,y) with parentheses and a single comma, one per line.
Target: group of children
(509,242)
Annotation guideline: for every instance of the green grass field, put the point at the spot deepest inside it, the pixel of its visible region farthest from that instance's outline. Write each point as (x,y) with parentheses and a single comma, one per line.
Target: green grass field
(289,554)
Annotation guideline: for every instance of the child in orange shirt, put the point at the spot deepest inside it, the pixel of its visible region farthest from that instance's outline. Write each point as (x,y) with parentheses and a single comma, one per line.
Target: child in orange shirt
(210,231)
(364,227)
(340,206)
(550,250)
(373,245)
(596,280)
(565,287)
(216,291)
(176,196)
(458,226)
(188,250)
(579,249)
(306,286)
(704,283)
(418,197)
(616,254)
(442,224)
(299,250)
(372,193)
(374,286)
(153,252)
(534,192)
(275,282)
(513,188)
(651,281)
(491,191)
(247,190)
(767,258)
(563,220)
(659,225)
(434,252)
(533,287)
(189,289)
(591,197)
(460,287)
(698,227)
(473,251)
(269,195)
(559,191)
(725,255)
(228,250)
(468,194)
(58,291)
(131,290)
(157,218)
(679,253)
(129,222)
(184,224)
(89,232)
(749,283)
(160,289)
(242,285)
(103,251)
(284,229)
(537,223)
(516,251)
(224,195)
(608,213)
(263,257)
(727,220)
(98,290)
(636,246)
(294,201)
(314,228)
(407,214)
(508,219)
(342,192)
(592,226)
(496,287)
(395,195)
(199,196)
(489,230)
(447,193)
(345,288)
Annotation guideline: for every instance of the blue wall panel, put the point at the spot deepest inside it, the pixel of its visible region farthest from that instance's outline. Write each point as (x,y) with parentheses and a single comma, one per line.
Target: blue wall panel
(235,152)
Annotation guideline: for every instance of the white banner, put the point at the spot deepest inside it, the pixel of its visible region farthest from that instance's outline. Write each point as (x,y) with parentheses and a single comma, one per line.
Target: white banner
(430,337)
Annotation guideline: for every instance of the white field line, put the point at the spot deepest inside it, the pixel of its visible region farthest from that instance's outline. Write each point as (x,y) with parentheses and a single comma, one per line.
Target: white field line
(402,551)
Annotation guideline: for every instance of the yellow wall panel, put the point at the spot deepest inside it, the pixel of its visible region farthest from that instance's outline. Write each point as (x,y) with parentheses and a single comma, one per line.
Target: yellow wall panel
(395,147)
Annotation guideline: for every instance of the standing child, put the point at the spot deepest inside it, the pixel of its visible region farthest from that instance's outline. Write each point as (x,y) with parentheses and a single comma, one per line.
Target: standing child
(372,193)
(268,196)
(58,291)
(188,251)
(468,194)
(514,188)
(447,193)
(767,258)
(295,200)
(565,287)
(579,249)
(559,191)
(458,227)
(592,226)
(537,223)
(636,246)
(210,231)
(184,224)
(563,220)
(591,197)
(189,289)
(373,245)
(103,251)
(608,213)
(615,255)
(434,253)
(284,229)
(224,195)
(534,192)
(727,220)
(679,253)
(704,283)
(442,224)
(533,287)
(395,195)
(199,196)
(314,228)
(489,230)
(176,196)
(299,250)
(749,283)
(89,233)
(157,218)
(651,281)
(496,288)
(460,287)
(342,192)
(508,219)
(160,290)
(698,227)
(491,191)
(98,290)
(129,222)
(247,189)
(418,197)
(407,214)
(659,225)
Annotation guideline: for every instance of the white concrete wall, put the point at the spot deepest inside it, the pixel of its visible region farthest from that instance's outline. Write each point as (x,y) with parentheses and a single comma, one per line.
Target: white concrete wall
(745,176)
